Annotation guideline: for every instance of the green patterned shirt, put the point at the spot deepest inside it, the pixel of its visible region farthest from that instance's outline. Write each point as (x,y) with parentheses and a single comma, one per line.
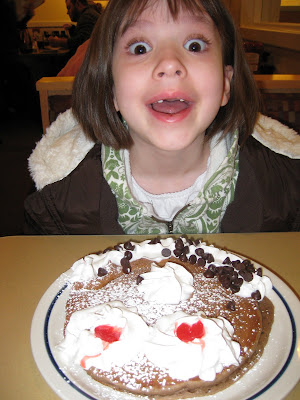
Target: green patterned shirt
(202,215)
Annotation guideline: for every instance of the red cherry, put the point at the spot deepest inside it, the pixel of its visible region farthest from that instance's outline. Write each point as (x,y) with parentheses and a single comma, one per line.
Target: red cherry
(108,333)
(198,330)
(187,333)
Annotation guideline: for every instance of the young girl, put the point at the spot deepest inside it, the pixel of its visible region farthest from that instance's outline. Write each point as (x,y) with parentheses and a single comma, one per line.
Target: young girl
(165,108)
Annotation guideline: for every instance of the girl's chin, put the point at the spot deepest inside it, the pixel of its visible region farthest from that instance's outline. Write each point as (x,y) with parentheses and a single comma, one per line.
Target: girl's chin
(174,145)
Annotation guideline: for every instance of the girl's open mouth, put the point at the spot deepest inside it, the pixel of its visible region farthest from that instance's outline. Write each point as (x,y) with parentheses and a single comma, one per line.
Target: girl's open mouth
(170,106)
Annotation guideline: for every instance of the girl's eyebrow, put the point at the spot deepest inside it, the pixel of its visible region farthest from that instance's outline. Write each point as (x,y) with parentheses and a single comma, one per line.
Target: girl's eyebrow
(137,24)
(143,23)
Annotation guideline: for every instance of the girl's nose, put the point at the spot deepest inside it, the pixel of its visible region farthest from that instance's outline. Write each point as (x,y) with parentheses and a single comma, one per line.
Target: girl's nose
(169,65)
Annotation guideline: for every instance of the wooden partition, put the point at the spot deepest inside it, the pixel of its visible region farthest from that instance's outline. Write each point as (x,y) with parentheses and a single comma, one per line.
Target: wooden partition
(62,86)
(52,86)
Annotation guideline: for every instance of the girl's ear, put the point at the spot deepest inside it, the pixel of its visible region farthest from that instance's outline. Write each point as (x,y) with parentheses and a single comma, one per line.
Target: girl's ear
(115,101)
(228,73)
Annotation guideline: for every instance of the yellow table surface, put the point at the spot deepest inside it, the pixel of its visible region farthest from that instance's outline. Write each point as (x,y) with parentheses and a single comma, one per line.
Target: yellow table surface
(30,264)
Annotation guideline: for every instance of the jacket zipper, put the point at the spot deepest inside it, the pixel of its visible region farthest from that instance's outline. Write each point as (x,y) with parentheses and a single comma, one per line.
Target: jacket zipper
(170,224)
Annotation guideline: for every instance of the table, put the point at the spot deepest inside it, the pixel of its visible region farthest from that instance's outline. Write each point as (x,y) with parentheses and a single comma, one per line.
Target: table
(30,264)
(45,62)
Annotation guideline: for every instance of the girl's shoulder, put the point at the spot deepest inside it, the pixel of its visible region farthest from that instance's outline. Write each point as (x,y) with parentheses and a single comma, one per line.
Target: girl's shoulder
(59,151)
(267,191)
(273,150)
(273,153)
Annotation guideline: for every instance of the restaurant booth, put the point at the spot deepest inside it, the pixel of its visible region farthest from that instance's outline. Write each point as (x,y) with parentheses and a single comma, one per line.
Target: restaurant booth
(31,264)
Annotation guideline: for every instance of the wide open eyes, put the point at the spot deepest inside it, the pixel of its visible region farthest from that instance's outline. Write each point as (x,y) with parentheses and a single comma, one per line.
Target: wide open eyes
(195,45)
(192,45)
(139,48)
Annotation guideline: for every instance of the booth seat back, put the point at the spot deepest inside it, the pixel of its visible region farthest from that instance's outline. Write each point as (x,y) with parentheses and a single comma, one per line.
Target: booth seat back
(280,97)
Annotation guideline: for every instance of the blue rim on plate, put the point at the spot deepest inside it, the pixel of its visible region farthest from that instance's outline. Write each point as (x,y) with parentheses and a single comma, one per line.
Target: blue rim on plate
(260,392)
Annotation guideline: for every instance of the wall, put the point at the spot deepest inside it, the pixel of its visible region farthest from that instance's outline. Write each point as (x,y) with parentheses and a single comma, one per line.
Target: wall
(52,13)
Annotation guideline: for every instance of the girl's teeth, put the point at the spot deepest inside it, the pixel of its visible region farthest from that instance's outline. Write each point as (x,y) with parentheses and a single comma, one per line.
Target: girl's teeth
(161,101)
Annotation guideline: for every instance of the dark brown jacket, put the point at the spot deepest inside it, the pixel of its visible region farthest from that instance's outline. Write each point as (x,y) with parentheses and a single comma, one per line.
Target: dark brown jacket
(266,197)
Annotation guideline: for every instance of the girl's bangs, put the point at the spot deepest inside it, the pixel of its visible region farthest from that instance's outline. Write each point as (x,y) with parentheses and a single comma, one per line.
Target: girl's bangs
(137,7)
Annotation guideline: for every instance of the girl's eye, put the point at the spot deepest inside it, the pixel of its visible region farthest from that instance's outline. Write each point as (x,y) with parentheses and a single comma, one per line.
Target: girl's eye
(139,48)
(195,45)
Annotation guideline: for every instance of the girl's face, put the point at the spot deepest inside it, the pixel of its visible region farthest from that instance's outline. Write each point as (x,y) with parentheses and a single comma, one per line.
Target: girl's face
(169,78)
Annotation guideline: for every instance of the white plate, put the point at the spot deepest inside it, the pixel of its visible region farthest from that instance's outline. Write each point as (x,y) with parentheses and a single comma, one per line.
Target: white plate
(274,376)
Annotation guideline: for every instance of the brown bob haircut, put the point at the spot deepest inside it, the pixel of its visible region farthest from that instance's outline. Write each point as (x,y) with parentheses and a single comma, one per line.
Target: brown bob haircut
(93,103)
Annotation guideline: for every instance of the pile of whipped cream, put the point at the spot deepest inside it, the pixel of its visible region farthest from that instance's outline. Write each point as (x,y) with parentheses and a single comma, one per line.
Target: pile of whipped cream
(183,345)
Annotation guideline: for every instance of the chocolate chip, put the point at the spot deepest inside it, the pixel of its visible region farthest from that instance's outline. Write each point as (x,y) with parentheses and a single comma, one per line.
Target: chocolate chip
(185,250)
(246,275)
(201,262)
(209,257)
(229,270)
(177,252)
(208,274)
(139,279)
(234,288)
(249,266)
(251,269)
(102,272)
(225,281)
(128,255)
(256,295)
(117,247)
(241,267)
(227,261)
(246,262)
(166,252)
(237,282)
(231,305)
(183,258)
(199,251)
(259,271)
(128,246)
(211,271)
(179,244)
(126,267)
(236,264)
(234,276)
(213,268)
(193,259)
(154,241)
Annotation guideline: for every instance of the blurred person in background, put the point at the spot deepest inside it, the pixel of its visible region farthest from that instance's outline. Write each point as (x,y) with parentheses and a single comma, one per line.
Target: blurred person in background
(60,103)
(85,13)
(25,10)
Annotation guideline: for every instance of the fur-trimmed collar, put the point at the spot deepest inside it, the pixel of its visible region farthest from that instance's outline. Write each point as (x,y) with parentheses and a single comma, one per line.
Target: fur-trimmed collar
(59,151)
(65,145)
(276,136)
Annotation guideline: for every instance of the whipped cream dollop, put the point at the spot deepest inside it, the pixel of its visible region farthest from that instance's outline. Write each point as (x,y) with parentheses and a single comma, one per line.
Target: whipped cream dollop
(184,345)
(261,283)
(102,336)
(192,345)
(87,267)
(168,285)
